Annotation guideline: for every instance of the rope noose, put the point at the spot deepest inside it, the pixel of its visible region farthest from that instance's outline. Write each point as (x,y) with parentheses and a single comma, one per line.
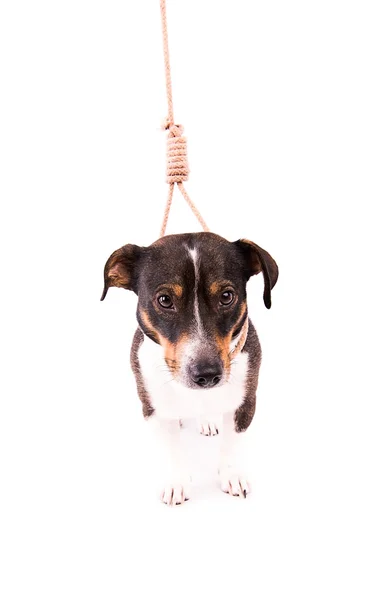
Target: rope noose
(177,164)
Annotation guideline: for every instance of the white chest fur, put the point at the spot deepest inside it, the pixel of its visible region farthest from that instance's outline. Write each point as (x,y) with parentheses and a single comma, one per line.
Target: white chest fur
(172,400)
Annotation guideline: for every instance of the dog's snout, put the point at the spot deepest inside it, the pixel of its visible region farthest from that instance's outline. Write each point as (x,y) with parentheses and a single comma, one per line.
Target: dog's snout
(206,373)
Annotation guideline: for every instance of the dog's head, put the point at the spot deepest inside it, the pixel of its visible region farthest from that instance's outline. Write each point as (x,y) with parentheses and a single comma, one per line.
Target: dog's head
(192,298)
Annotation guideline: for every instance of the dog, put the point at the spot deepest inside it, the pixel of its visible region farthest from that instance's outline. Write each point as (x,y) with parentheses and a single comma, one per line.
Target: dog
(196,353)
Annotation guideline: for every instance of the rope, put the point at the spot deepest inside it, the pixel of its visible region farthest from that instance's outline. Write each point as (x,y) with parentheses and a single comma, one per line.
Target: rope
(177,164)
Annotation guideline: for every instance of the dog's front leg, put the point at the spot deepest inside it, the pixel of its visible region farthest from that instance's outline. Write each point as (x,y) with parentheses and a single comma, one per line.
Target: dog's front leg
(231,471)
(176,479)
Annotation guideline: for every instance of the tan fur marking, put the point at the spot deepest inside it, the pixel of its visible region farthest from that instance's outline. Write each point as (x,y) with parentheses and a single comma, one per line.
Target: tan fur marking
(217,285)
(149,326)
(172,352)
(118,276)
(214,288)
(223,343)
(176,288)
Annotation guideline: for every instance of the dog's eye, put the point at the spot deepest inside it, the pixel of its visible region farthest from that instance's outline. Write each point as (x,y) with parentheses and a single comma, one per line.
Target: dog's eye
(227,298)
(165,301)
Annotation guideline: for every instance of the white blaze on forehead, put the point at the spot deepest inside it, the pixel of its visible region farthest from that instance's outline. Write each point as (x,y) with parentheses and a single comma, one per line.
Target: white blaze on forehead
(195,258)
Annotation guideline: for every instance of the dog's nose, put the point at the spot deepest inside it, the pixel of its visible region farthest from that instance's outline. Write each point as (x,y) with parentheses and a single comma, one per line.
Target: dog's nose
(206,374)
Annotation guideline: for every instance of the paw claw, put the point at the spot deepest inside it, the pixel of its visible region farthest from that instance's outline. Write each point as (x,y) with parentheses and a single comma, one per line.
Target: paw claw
(175,494)
(208,427)
(233,484)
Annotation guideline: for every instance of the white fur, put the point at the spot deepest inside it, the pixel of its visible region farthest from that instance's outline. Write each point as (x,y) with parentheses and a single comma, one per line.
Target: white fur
(232,477)
(194,255)
(172,400)
(176,479)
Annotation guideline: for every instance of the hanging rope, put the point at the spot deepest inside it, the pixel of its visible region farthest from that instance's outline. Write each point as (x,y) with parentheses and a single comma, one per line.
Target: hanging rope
(177,165)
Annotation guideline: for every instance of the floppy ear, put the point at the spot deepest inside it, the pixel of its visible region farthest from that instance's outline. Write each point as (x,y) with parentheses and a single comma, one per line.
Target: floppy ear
(120,269)
(257,260)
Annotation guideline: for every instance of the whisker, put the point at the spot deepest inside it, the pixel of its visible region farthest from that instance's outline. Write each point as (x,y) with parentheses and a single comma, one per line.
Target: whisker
(167,382)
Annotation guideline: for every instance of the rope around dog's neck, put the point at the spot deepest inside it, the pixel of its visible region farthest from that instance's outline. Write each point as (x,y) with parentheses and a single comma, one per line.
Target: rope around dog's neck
(177,165)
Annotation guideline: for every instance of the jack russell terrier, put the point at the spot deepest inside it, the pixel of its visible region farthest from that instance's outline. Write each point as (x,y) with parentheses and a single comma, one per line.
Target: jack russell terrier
(195,353)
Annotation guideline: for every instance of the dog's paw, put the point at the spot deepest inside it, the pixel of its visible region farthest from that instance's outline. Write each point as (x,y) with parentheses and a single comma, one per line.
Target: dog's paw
(176,491)
(208,427)
(234,484)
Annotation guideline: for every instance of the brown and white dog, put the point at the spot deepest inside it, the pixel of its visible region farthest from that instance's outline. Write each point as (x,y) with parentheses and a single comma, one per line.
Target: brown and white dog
(195,353)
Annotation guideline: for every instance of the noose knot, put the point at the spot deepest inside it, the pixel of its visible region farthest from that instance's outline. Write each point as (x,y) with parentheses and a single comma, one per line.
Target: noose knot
(177,165)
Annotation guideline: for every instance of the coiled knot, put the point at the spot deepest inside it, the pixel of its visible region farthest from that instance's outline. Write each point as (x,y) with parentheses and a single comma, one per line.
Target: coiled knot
(177,165)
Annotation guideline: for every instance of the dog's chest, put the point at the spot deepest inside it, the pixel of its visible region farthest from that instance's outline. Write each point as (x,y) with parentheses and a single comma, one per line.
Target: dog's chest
(171,400)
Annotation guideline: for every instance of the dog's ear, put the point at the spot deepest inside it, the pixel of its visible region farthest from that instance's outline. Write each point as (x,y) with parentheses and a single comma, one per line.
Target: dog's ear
(257,260)
(120,268)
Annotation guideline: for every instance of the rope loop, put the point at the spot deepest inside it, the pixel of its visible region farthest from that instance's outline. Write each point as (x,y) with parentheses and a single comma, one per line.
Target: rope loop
(177,169)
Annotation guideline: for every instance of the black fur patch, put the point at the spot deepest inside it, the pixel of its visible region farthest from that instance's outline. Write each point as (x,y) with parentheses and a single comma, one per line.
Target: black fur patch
(245,413)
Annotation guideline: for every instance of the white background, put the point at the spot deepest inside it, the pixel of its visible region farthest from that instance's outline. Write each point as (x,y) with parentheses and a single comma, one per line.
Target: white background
(283,106)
